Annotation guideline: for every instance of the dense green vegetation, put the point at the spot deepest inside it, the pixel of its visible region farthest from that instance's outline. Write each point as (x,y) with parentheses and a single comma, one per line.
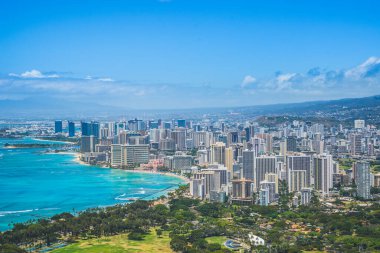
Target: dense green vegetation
(136,218)
(375,166)
(150,243)
(191,225)
(345,163)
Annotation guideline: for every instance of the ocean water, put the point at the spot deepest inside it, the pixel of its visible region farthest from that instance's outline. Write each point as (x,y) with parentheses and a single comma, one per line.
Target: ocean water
(34,184)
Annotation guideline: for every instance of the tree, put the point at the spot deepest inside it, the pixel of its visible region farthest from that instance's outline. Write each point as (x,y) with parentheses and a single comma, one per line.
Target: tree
(178,244)
(214,210)
(200,244)
(214,247)
(314,200)
(10,248)
(159,232)
(284,197)
(135,236)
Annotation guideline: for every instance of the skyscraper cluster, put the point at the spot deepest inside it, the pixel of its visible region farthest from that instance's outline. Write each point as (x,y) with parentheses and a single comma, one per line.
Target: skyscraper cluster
(239,161)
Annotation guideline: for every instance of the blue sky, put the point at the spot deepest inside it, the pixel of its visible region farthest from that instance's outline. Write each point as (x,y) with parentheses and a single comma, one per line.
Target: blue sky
(183,54)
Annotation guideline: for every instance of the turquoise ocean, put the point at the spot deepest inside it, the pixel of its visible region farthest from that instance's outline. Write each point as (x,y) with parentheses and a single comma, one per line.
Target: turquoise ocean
(35,184)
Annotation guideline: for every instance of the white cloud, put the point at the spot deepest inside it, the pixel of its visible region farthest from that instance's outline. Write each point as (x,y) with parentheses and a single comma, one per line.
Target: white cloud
(106,79)
(285,77)
(34,74)
(248,79)
(318,81)
(368,68)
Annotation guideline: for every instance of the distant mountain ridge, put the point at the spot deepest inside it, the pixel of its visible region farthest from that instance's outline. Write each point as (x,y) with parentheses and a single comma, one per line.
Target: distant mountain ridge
(332,112)
(314,106)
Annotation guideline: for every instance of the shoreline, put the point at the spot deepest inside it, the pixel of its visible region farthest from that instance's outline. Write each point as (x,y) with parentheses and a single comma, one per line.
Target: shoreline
(158,172)
(76,156)
(77,159)
(38,139)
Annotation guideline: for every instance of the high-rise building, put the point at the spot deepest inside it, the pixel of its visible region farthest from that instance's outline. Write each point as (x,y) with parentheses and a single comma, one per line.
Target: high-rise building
(323,171)
(182,161)
(249,164)
(88,144)
(268,141)
(135,154)
(263,166)
(297,180)
(197,188)
(153,125)
(232,137)
(154,135)
(202,138)
(58,126)
(212,180)
(167,125)
(136,125)
(229,160)
(306,195)
(271,187)
(179,137)
(242,188)
(167,144)
(283,150)
(129,155)
(258,145)
(317,128)
(298,162)
(251,131)
(362,179)
(356,144)
(359,124)
(91,128)
(264,197)
(291,144)
(376,180)
(218,153)
(221,171)
(272,177)
(247,134)
(71,125)
(203,157)
(317,146)
(181,123)
(116,155)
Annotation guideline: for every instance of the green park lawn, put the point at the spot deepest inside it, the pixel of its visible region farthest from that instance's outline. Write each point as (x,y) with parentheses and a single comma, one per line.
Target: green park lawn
(217,239)
(120,243)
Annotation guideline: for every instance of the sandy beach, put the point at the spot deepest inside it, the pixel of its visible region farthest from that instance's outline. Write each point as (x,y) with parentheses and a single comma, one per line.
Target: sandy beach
(78,160)
(38,139)
(161,173)
(75,154)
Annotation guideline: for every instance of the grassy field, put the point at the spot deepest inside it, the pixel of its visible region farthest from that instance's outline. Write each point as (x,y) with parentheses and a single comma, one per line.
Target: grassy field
(345,163)
(120,243)
(217,239)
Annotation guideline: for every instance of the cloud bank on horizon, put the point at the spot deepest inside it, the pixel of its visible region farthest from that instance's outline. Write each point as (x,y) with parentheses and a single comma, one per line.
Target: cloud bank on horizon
(316,84)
